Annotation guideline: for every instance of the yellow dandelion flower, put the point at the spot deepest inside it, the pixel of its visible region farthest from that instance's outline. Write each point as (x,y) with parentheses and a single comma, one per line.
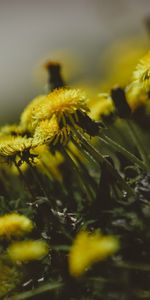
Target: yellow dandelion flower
(13,146)
(45,131)
(89,248)
(61,102)
(27,250)
(136,96)
(48,131)
(141,74)
(14,224)
(120,60)
(103,107)
(12,129)
(26,120)
(62,136)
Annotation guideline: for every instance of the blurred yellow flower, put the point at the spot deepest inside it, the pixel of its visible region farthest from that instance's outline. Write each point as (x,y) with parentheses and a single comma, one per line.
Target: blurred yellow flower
(136,96)
(102,107)
(141,74)
(137,91)
(12,129)
(10,277)
(26,120)
(120,59)
(89,248)
(12,146)
(14,225)
(28,250)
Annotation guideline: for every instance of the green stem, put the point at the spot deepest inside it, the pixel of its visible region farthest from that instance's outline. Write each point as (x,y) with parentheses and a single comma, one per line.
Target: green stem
(47,171)
(84,169)
(51,202)
(133,266)
(23,178)
(109,142)
(4,182)
(88,155)
(42,289)
(84,174)
(138,143)
(142,294)
(98,157)
(78,175)
(36,176)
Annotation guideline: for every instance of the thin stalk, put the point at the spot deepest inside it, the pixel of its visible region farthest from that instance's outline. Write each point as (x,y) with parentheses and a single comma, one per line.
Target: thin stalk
(84,174)
(85,171)
(109,142)
(142,294)
(103,280)
(78,175)
(40,290)
(23,178)
(52,203)
(86,153)
(48,173)
(138,143)
(36,176)
(98,157)
(4,183)
(133,266)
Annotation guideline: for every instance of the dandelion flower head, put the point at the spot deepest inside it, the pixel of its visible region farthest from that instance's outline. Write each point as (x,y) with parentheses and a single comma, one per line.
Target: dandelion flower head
(141,74)
(89,248)
(61,102)
(103,107)
(136,96)
(28,250)
(13,146)
(14,225)
(13,129)
(45,131)
(26,120)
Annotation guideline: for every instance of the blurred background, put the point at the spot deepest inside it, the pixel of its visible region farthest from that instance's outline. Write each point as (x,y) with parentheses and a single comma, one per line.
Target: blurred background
(77,32)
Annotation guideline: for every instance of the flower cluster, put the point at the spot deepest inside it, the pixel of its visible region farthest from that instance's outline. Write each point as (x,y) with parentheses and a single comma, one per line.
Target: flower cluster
(15,225)
(137,92)
(48,118)
(77,168)
(12,226)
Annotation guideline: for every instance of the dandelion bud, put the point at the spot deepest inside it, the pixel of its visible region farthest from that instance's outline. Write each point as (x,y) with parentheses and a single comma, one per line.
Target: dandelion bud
(121,104)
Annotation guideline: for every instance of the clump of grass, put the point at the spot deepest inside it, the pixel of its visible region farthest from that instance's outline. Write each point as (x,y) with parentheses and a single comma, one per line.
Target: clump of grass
(84,183)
